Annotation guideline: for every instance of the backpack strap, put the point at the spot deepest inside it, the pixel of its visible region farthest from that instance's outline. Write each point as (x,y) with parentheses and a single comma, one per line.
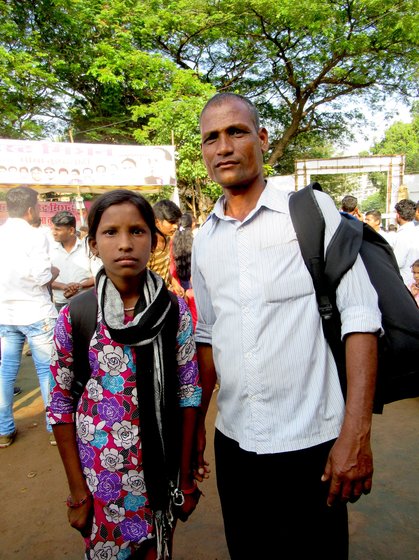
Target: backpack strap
(83,315)
(343,248)
(309,225)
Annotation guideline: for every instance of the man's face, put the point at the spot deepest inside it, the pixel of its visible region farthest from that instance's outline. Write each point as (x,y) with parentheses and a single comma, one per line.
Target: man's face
(62,234)
(167,228)
(373,222)
(232,148)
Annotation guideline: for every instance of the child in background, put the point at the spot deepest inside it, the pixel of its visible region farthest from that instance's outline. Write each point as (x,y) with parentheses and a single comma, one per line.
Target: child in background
(126,461)
(180,260)
(414,288)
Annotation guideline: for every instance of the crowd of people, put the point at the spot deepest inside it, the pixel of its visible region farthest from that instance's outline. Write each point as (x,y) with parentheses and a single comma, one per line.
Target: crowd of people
(179,311)
(403,237)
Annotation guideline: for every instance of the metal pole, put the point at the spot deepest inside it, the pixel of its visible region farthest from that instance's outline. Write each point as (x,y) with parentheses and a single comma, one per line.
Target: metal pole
(79,198)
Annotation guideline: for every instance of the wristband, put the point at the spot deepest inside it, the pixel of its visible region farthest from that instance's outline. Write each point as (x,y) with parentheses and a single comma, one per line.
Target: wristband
(75,505)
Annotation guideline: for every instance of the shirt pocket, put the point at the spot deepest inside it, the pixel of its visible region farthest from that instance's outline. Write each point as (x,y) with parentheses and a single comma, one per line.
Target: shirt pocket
(284,274)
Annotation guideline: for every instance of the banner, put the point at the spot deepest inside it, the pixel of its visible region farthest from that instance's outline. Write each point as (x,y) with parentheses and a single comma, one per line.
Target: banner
(58,164)
(49,209)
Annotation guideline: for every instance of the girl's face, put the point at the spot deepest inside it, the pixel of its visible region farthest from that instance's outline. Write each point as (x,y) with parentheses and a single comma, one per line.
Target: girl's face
(415,271)
(123,241)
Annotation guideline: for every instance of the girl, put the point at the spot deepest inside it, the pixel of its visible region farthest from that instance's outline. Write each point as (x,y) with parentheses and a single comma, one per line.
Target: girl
(180,260)
(126,463)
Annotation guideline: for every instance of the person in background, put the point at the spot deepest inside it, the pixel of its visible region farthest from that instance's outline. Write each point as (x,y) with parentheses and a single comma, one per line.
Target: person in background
(416,220)
(414,287)
(289,451)
(349,205)
(26,309)
(180,260)
(69,255)
(167,215)
(82,232)
(127,443)
(406,240)
(46,231)
(373,219)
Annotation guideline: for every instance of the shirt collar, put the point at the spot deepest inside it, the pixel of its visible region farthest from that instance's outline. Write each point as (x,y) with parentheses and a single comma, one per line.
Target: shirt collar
(78,243)
(407,225)
(270,198)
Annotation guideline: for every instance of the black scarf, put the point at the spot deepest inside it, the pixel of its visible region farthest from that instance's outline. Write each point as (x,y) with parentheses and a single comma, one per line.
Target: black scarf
(153,333)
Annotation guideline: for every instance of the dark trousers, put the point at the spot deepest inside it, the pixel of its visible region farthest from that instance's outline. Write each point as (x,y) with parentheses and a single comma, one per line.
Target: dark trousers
(274,506)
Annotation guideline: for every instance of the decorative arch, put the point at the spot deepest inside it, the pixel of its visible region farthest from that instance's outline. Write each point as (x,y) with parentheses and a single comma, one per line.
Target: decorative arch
(392,165)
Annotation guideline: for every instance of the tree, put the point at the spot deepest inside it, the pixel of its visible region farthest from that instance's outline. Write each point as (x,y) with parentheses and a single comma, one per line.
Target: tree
(104,85)
(402,138)
(302,62)
(137,70)
(338,185)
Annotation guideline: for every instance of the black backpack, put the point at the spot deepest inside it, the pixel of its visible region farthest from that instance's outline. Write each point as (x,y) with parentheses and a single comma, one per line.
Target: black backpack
(398,361)
(83,316)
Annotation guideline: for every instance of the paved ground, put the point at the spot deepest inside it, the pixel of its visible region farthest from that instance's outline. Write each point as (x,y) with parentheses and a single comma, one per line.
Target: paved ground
(33,524)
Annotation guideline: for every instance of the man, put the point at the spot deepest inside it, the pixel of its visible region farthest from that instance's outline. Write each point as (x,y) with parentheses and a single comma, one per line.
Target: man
(406,240)
(70,256)
(373,219)
(167,215)
(26,309)
(289,453)
(349,205)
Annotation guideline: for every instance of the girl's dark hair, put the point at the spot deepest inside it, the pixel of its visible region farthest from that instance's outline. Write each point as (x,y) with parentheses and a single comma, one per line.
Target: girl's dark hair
(416,263)
(182,247)
(119,196)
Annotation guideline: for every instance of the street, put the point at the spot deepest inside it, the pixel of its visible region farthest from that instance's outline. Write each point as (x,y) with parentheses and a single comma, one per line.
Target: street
(383,525)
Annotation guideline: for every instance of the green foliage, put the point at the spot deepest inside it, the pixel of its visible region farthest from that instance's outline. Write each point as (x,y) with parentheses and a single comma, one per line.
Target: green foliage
(337,185)
(375,201)
(300,61)
(140,71)
(402,138)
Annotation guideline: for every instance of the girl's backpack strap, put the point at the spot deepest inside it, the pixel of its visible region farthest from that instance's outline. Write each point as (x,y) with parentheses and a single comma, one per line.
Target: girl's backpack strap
(83,315)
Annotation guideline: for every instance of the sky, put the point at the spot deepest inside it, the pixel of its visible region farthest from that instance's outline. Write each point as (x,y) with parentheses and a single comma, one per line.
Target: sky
(381,123)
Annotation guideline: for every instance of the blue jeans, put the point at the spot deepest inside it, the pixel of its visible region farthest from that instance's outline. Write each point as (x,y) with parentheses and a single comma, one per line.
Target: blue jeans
(39,337)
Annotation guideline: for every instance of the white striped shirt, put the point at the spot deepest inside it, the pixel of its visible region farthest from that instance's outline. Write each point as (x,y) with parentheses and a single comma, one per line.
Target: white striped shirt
(279,388)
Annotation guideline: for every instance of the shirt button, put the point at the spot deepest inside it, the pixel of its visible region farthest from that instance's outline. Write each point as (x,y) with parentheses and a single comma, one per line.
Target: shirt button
(248,355)
(245,310)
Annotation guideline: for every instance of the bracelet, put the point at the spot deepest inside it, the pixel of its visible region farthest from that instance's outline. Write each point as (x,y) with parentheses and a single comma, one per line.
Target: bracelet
(75,505)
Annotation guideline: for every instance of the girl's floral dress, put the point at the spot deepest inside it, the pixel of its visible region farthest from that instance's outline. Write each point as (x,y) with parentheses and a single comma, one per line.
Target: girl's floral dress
(108,430)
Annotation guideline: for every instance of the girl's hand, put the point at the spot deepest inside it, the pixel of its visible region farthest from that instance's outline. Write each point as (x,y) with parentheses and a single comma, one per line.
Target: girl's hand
(190,503)
(81,518)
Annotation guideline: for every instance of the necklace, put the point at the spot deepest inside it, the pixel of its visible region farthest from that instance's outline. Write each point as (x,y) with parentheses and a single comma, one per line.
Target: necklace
(129,308)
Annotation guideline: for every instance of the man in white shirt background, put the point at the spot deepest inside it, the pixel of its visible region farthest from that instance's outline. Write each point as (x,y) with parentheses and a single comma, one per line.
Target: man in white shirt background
(290,453)
(373,219)
(26,309)
(70,256)
(406,241)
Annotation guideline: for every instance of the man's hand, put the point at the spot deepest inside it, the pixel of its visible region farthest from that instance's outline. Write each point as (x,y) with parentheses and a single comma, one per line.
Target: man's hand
(201,466)
(72,289)
(349,470)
